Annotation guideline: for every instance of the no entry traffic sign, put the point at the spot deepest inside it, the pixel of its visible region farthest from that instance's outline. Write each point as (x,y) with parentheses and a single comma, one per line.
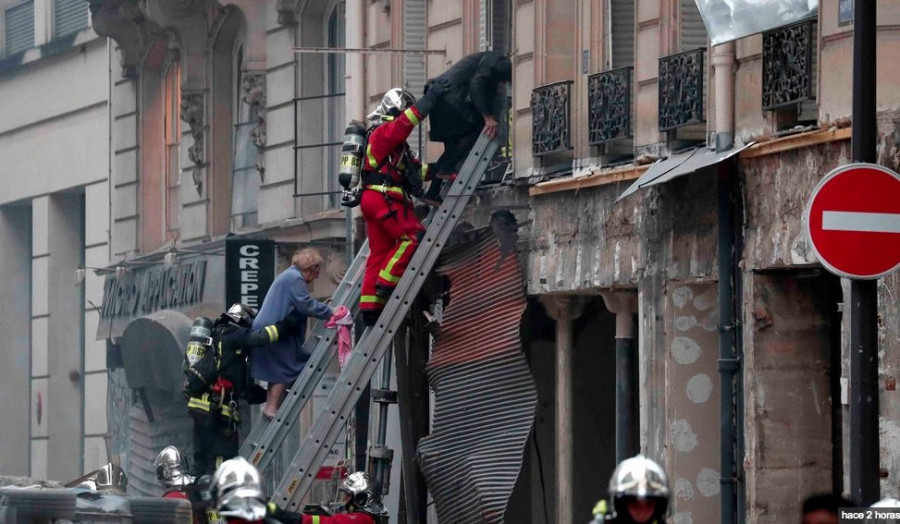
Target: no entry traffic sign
(852,221)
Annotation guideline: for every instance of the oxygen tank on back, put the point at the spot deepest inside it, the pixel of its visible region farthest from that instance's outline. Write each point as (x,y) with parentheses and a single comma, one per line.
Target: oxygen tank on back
(352,154)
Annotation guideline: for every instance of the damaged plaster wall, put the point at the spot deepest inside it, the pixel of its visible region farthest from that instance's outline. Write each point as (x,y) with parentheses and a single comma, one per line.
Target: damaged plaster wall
(776,189)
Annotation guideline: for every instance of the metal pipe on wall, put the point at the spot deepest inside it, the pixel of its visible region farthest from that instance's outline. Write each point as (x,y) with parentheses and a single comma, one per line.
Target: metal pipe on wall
(729,362)
(864,441)
(624,305)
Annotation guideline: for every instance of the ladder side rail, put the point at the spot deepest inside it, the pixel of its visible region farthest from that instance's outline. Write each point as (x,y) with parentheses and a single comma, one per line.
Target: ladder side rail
(315,446)
(266,436)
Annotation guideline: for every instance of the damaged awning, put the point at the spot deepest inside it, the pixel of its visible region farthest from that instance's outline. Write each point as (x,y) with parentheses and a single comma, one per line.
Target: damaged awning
(485,395)
(680,164)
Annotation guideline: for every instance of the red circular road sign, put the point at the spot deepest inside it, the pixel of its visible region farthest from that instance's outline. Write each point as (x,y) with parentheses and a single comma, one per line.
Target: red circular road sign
(852,220)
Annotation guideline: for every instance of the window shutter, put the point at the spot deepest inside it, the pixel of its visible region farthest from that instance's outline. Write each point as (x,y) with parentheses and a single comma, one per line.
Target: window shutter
(20,27)
(622,22)
(69,16)
(693,32)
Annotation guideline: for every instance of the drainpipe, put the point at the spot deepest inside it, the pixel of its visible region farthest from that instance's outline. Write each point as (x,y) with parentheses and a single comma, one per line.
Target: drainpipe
(564,309)
(729,360)
(624,305)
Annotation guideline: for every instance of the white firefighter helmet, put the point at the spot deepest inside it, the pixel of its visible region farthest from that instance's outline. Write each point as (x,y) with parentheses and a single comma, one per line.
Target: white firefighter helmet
(239,314)
(362,494)
(394,102)
(639,477)
(887,503)
(172,468)
(237,491)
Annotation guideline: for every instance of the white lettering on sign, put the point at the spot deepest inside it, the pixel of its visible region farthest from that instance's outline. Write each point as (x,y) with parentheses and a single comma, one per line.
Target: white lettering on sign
(249,266)
(859,221)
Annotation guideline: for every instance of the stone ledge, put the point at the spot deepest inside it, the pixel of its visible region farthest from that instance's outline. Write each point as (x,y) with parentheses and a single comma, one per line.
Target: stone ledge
(596,179)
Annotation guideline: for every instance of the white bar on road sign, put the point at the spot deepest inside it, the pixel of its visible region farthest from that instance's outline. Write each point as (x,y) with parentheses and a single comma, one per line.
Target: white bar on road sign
(858,221)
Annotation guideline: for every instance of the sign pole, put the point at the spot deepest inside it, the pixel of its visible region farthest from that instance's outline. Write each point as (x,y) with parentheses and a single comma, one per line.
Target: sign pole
(864,443)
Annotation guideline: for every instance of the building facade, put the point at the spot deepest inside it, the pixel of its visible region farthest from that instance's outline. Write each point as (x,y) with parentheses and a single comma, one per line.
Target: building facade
(629,231)
(639,160)
(54,209)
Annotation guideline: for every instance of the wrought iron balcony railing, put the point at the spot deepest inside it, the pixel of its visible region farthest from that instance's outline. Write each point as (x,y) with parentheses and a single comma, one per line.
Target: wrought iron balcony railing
(609,105)
(681,89)
(551,111)
(788,65)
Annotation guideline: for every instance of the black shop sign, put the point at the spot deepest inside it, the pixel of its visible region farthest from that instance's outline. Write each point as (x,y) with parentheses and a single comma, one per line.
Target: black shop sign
(249,271)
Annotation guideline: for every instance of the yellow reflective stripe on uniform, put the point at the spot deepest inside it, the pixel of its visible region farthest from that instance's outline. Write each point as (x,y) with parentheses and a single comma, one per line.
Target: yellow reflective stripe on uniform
(424,172)
(204,404)
(411,115)
(196,403)
(272,331)
(370,158)
(386,273)
(388,189)
(316,519)
(371,299)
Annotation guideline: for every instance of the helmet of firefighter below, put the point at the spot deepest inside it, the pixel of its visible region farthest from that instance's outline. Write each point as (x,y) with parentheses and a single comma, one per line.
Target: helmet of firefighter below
(239,314)
(392,104)
(172,468)
(639,488)
(237,492)
(109,479)
(361,493)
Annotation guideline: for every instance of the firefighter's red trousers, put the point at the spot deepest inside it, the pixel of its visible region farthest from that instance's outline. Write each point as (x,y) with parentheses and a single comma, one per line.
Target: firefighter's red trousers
(392,228)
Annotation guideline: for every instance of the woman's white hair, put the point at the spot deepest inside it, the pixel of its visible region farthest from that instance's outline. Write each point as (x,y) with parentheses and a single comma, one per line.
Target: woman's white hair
(306,258)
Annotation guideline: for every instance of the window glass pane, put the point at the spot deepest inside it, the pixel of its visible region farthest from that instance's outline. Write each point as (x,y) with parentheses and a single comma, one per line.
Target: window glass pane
(20,27)
(245,182)
(69,16)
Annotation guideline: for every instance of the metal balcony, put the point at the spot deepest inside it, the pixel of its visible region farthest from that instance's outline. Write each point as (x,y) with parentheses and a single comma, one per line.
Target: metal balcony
(609,105)
(681,89)
(551,111)
(787,66)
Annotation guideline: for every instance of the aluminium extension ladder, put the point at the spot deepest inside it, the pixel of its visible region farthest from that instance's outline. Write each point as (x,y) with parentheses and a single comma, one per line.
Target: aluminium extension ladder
(262,443)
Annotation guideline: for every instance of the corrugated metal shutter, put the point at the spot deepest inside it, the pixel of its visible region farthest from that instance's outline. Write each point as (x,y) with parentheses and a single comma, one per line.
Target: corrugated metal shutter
(693,32)
(484,391)
(494,25)
(415,26)
(20,27)
(500,25)
(69,16)
(622,33)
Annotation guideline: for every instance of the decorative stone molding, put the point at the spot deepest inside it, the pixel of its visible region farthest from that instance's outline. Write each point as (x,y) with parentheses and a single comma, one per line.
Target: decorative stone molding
(192,113)
(180,8)
(253,85)
(287,12)
(127,24)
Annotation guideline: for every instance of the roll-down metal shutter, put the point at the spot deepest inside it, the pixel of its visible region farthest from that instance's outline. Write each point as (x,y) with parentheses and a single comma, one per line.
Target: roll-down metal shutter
(69,16)
(622,33)
(20,27)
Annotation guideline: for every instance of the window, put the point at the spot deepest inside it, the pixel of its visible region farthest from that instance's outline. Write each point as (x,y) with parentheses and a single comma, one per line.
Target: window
(172,137)
(621,34)
(20,27)
(69,16)
(245,177)
(496,25)
(335,116)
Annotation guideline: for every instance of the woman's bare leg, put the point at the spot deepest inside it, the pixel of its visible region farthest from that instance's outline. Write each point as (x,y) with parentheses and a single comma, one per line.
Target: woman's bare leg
(274,396)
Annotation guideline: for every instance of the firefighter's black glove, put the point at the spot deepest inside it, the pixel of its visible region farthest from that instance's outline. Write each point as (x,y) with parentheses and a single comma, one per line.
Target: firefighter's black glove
(351,197)
(413,176)
(437,87)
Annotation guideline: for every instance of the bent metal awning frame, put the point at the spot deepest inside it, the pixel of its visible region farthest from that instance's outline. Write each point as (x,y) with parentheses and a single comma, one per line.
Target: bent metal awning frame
(680,164)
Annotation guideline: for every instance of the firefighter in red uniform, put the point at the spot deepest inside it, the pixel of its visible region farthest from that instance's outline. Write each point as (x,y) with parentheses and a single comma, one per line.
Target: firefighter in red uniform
(390,175)
(238,496)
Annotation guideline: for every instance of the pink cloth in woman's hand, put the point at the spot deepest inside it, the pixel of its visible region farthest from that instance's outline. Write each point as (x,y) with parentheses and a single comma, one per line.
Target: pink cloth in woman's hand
(342,320)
